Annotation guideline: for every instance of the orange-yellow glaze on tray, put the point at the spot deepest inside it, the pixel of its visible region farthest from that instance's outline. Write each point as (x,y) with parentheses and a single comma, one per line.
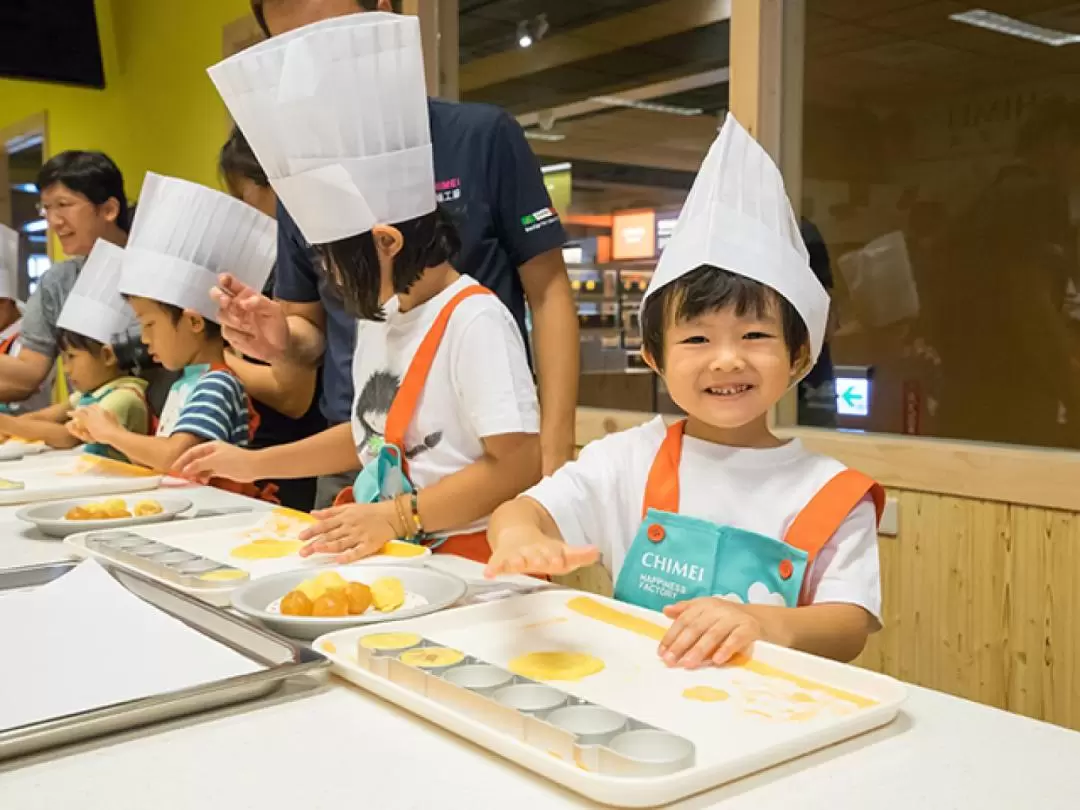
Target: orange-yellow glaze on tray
(642,627)
(706,694)
(616,618)
(396,548)
(556,666)
(266,549)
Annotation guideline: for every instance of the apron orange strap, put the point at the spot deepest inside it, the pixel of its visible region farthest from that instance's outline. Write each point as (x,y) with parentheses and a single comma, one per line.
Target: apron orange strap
(404,405)
(5,347)
(819,520)
(662,488)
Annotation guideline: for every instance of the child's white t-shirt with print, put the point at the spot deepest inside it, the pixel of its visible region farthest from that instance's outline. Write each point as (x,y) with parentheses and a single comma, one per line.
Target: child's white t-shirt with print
(597,501)
(479,384)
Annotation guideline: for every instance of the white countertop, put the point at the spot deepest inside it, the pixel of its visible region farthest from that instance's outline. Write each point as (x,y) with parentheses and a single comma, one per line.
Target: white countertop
(342,747)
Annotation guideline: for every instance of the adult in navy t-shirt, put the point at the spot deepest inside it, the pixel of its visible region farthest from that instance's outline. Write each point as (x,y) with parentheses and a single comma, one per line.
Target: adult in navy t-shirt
(487,178)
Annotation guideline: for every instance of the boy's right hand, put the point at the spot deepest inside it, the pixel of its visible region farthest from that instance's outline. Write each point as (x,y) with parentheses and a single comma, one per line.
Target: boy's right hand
(527,550)
(217,460)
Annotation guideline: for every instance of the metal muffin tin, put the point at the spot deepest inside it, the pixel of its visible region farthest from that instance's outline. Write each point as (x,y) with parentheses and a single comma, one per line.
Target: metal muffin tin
(174,565)
(591,736)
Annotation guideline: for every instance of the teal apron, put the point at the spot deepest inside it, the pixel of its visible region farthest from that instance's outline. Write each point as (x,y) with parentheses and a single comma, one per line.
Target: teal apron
(675,558)
(387,475)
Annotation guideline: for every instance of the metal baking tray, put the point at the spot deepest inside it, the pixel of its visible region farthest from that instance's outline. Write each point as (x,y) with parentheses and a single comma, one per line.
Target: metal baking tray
(283,660)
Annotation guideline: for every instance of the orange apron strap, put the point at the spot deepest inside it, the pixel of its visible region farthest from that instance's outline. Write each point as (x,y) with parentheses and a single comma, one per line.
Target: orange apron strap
(819,520)
(5,347)
(470,546)
(408,395)
(662,487)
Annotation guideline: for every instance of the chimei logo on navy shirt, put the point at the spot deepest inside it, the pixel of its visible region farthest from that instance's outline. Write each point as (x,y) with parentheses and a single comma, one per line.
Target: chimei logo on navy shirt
(448,190)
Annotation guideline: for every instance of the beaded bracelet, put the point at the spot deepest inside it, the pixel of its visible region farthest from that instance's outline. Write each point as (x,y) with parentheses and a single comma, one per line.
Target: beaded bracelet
(416,514)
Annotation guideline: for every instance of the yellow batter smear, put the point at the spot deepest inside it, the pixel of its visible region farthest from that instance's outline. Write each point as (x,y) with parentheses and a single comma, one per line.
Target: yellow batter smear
(222,576)
(706,694)
(389,641)
(432,657)
(107,466)
(266,549)
(769,671)
(617,618)
(396,548)
(556,666)
(330,647)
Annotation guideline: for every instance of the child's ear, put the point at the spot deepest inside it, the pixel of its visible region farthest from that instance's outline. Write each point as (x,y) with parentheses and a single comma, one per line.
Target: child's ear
(388,240)
(108,356)
(196,321)
(802,364)
(650,361)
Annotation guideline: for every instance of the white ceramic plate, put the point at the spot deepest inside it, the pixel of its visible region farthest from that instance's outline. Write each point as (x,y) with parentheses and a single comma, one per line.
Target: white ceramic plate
(256,599)
(49,516)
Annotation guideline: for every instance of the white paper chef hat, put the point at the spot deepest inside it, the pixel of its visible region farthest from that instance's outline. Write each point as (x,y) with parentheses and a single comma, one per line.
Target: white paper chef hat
(9,263)
(95,308)
(336,113)
(737,217)
(184,235)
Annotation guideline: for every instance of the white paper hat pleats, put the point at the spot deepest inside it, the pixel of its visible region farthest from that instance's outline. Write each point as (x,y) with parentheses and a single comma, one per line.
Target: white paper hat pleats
(336,113)
(95,308)
(737,217)
(185,235)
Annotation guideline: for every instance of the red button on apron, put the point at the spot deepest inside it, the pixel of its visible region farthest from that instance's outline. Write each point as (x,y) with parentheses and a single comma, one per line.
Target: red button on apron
(786,569)
(656,533)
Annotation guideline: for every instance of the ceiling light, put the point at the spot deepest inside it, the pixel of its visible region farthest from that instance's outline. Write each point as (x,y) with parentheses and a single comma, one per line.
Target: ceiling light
(37,226)
(1015,28)
(524,38)
(25,188)
(537,135)
(648,106)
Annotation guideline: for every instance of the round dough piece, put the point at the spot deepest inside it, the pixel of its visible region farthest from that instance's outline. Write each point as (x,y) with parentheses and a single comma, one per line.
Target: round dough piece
(432,657)
(556,666)
(389,641)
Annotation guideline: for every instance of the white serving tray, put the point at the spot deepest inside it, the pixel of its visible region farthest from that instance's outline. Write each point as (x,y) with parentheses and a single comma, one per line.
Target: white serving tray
(53,477)
(215,538)
(782,704)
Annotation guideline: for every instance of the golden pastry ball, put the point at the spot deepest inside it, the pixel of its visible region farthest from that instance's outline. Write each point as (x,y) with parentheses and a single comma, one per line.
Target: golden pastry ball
(359,598)
(387,593)
(331,603)
(296,603)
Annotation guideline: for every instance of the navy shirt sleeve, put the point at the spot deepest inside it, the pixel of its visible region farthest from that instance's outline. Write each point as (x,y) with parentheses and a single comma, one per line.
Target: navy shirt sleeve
(296,278)
(525,221)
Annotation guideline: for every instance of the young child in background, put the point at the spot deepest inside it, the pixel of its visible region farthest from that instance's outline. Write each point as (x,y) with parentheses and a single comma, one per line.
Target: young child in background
(445,418)
(734,533)
(102,366)
(183,236)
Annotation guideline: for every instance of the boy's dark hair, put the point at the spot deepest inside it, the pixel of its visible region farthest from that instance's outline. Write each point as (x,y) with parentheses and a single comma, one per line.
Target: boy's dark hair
(132,357)
(709,289)
(352,265)
(213,329)
(92,174)
(366,5)
(237,160)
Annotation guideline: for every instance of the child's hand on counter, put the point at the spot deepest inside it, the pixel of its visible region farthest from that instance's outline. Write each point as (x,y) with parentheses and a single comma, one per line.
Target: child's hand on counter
(707,630)
(95,422)
(352,532)
(527,550)
(217,460)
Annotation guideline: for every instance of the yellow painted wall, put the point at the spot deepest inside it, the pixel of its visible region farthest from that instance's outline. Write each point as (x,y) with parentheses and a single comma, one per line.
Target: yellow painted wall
(159,110)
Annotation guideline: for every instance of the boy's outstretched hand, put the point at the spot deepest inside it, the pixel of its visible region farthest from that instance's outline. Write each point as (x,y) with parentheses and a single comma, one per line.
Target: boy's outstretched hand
(216,460)
(709,630)
(527,550)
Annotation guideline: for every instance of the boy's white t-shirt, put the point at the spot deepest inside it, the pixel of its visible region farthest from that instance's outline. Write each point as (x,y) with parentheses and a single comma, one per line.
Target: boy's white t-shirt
(479,384)
(597,501)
